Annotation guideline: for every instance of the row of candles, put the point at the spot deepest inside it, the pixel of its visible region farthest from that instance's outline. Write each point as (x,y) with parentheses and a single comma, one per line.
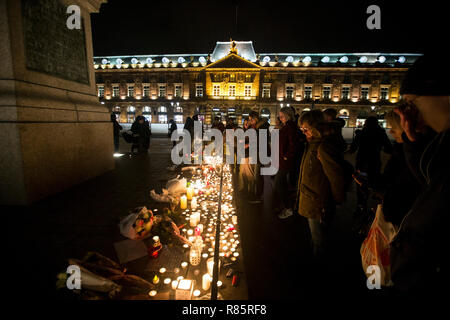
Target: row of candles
(203,195)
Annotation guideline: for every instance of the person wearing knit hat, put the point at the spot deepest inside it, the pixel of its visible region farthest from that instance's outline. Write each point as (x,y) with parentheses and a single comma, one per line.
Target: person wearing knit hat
(418,251)
(426,86)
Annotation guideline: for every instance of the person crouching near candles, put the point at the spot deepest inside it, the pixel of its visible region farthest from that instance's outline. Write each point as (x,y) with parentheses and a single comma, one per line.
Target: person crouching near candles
(321,180)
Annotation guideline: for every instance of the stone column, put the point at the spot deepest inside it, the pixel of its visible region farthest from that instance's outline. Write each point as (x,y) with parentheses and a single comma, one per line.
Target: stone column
(54,133)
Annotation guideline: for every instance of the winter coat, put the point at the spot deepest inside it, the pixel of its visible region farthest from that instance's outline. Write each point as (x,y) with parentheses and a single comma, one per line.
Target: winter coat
(400,187)
(289,145)
(369,143)
(419,251)
(321,181)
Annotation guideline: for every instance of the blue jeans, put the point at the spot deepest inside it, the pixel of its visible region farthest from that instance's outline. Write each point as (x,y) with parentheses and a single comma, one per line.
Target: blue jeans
(318,236)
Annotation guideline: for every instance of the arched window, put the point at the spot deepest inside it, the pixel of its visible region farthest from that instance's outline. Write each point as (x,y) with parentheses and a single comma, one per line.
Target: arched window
(343,112)
(178,109)
(162,109)
(116,109)
(131,109)
(147,109)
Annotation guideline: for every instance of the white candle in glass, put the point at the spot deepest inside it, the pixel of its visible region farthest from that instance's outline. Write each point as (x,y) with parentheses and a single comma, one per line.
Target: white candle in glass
(189,192)
(194,203)
(183,202)
(174,284)
(206,281)
(193,220)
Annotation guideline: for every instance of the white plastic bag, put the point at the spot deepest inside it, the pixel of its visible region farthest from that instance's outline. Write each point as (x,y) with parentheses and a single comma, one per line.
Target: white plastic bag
(176,186)
(375,248)
(163,197)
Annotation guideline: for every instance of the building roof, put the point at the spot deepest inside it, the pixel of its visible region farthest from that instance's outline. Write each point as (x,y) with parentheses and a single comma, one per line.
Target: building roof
(245,50)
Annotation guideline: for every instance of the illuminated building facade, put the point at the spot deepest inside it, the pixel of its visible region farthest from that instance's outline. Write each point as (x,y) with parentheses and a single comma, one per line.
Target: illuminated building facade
(233,80)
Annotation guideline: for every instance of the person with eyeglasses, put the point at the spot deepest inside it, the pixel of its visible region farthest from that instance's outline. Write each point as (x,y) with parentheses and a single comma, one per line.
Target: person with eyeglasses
(321,182)
(418,252)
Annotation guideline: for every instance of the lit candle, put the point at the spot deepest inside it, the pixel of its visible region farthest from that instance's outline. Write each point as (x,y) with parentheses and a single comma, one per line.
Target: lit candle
(206,281)
(152,293)
(194,203)
(184,264)
(167,280)
(189,192)
(196,293)
(162,270)
(193,220)
(219,283)
(210,266)
(200,227)
(174,284)
(183,202)
(190,232)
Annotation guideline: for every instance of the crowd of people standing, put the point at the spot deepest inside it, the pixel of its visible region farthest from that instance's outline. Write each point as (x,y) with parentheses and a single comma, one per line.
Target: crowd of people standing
(414,188)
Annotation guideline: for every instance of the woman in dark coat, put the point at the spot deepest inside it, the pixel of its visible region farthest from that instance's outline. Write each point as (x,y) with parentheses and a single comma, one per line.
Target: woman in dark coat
(141,130)
(172,128)
(369,143)
(321,182)
(289,148)
(116,131)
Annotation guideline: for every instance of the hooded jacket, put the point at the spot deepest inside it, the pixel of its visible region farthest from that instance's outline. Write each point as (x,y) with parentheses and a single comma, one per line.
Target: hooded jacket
(321,181)
(419,250)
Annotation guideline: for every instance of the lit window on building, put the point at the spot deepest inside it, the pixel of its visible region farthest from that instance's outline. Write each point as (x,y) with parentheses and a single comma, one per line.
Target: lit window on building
(146,109)
(364,93)
(146,91)
(162,118)
(232,77)
(326,92)
(345,93)
(308,92)
(148,117)
(289,92)
(248,78)
(131,114)
(232,90)
(384,93)
(178,118)
(216,90)
(178,109)
(248,91)
(130,91)
(266,91)
(162,114)
(177,91)
(101,91)
(162,91)
(199,90)
(115,91)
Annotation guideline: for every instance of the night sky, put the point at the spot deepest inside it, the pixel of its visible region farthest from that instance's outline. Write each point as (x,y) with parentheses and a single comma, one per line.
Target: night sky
(163,27)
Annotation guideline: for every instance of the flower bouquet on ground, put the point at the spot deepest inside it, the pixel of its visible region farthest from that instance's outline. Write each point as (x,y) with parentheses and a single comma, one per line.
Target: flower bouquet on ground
(137,224)
(166,229)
